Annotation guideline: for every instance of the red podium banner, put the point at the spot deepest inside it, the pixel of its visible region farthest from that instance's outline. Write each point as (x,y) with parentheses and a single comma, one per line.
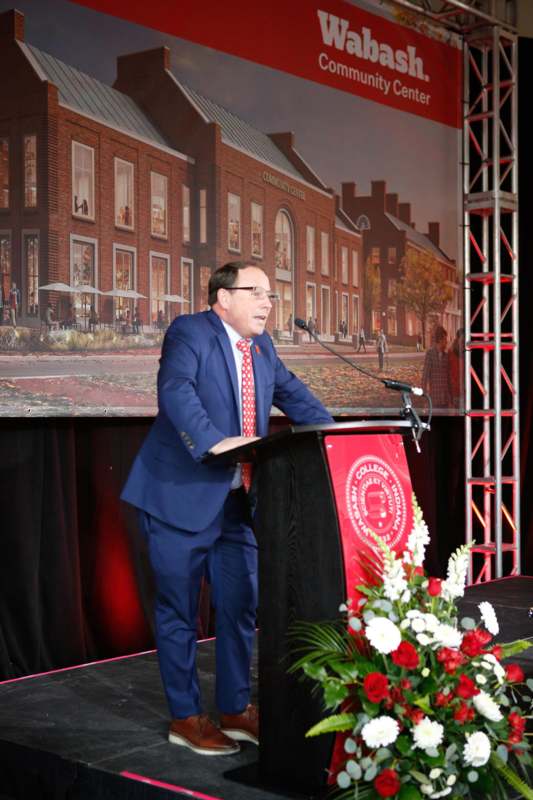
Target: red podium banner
(373,492)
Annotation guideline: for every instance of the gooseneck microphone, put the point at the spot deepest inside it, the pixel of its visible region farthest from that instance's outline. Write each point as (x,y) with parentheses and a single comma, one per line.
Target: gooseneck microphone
(398,386)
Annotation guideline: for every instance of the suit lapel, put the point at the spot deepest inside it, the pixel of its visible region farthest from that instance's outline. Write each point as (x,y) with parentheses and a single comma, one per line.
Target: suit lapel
(225,345)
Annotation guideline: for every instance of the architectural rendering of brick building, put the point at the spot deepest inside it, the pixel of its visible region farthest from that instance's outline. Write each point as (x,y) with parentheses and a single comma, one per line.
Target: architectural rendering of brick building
(390,240)
(135,193)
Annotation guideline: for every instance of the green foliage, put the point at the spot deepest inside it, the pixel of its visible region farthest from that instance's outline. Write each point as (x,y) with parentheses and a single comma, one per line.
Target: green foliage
(333,724)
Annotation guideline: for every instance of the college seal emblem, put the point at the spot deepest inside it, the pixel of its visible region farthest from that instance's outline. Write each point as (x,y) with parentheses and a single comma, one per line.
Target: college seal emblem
(375,500)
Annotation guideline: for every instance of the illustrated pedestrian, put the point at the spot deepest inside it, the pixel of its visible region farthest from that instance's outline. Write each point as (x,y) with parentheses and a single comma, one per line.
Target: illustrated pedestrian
(381,347)
(436,379)
(14,303)
(311,328)
(290,324)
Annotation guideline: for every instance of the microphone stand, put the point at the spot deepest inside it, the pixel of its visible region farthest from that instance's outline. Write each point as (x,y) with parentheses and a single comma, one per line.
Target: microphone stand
(407,411)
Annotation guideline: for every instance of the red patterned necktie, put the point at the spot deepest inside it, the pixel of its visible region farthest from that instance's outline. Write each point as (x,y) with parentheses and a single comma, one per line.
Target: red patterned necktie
(248,404)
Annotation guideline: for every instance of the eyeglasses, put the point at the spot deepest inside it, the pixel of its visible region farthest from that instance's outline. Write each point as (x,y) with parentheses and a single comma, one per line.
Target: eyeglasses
(258,292)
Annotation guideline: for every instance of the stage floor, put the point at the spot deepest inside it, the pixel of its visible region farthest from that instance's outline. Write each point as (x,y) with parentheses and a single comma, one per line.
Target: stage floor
(99,730)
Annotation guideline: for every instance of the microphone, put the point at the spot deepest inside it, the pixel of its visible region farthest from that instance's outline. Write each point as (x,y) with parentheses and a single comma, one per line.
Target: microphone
(403,387)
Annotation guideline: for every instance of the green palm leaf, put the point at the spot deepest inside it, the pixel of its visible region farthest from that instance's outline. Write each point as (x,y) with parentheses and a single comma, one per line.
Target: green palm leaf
(333,724)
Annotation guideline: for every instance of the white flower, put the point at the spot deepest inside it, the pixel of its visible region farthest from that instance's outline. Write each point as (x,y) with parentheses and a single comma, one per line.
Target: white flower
(394,580)
(418,624)
(454,585)
(418,539)
(383,635)
(481,679)
(488,615)
(447,636)
(380,732)
(486,706)
(442,793)
(425,672)
(451,780)
(476,751)
(435,773)
(413,612)
(423,639)
(432,623)
(428,734)
(491,662)
(427,788)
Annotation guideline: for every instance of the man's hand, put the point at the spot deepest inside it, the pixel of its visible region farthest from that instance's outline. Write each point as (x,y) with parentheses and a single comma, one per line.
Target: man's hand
(231,442)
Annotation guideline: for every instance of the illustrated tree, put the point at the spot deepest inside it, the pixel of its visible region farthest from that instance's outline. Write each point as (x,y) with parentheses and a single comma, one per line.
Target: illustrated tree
(372,289)
(422,287)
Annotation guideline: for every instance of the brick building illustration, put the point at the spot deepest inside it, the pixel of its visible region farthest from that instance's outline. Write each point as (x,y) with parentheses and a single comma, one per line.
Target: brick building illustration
(142,189)
(390,241)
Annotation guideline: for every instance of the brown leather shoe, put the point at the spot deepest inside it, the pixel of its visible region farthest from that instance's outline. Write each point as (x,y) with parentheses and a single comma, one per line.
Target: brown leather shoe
(201,736)
(242,727)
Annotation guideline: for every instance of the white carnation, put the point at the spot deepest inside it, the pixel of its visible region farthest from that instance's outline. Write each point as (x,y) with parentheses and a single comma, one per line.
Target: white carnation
(428,734)
(380,732)
(488,615)
(487,707)
(418,624)
(383,635)
(476,751)
(447,636)
(432,623)
(423,639)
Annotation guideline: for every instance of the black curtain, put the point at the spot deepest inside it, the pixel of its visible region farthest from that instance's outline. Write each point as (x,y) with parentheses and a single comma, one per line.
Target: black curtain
(75,583)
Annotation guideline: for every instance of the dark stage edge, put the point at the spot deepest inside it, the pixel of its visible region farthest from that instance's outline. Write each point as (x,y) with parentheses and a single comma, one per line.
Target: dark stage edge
(71,734)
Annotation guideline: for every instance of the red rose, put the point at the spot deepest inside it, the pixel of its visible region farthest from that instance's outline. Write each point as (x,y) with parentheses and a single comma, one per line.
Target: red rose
(416,715)
(496,651)
(387,783)
(405,683)
(474,642)
(516,722)
(418,571)
(406,656)
(466,687)
(442,699)
(376,686)
(396,695)
(461,713)
(450,659)
(514,673)
(434,587)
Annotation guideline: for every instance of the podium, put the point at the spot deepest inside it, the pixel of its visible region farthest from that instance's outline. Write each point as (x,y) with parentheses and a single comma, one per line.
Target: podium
(318,489)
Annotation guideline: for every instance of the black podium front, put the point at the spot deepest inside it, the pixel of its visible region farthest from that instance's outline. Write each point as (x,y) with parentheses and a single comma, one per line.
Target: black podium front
(301,577)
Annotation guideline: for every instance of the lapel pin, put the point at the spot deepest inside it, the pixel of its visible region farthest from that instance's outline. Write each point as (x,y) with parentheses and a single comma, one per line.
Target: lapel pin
(257,350)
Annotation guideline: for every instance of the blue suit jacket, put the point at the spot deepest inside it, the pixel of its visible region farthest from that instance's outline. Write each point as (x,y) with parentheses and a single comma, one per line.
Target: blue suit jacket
(198,407)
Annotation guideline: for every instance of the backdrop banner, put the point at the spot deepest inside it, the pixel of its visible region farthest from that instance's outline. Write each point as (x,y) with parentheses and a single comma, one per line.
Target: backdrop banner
(141,147)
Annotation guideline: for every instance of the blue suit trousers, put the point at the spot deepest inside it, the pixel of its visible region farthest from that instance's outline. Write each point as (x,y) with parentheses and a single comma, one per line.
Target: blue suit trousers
(226,553)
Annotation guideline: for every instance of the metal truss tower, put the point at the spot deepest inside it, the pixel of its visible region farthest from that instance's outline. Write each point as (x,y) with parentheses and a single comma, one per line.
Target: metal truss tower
(490,216)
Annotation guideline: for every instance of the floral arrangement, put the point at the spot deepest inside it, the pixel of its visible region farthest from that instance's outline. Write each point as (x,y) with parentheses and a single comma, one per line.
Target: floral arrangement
(426,707)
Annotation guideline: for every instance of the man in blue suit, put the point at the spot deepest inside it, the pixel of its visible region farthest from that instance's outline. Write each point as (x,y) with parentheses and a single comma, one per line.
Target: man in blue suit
(196,516)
